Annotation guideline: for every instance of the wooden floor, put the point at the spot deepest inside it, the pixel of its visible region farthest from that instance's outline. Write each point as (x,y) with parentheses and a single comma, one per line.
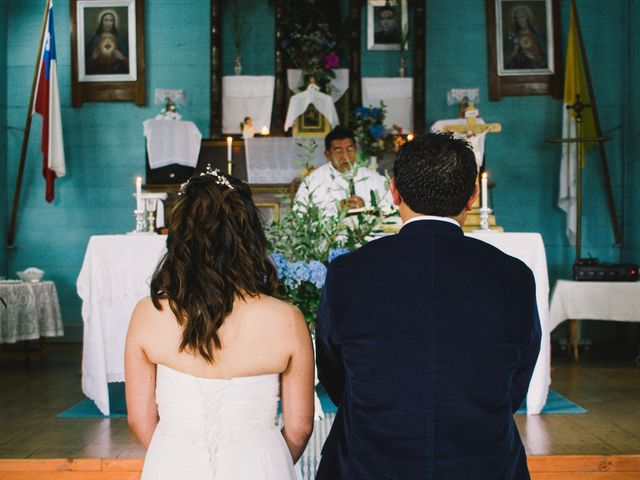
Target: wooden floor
(603,444)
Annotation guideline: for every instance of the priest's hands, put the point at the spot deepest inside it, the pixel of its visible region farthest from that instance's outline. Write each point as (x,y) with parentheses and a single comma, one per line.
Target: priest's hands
(353,201)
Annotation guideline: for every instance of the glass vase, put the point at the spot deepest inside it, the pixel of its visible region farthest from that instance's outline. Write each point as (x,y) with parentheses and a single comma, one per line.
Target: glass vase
(402,69)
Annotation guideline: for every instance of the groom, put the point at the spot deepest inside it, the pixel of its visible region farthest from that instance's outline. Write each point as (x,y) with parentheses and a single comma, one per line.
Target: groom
(426,340)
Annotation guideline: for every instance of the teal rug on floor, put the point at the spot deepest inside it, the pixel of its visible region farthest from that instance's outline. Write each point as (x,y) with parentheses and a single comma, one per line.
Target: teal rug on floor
(556,403)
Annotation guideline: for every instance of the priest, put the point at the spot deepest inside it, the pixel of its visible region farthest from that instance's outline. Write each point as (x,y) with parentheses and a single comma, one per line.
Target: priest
(339,182)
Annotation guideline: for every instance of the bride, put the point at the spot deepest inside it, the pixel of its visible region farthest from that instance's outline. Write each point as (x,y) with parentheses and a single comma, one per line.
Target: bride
(210,352)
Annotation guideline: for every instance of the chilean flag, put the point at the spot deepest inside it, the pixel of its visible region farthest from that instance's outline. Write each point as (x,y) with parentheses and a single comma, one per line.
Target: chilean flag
(47,104)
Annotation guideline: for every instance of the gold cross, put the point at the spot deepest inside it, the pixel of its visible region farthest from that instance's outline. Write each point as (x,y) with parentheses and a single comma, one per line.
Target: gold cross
(471,127)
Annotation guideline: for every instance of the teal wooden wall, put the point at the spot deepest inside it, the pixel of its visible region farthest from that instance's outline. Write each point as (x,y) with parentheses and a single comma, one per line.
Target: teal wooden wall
(632,213)
(3,134)
(105,149)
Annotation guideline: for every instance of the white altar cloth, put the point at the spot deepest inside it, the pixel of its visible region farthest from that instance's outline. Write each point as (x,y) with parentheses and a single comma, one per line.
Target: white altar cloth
(117,269)
(397,95)
(247,96)
(279,159)
(115,275)
(529,248)
(616,301)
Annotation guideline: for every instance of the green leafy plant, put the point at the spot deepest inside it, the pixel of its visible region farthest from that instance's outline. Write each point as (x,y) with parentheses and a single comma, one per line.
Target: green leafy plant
(306,239)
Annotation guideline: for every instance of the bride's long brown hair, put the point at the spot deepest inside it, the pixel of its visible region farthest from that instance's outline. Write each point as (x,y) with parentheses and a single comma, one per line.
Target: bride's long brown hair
(216,251)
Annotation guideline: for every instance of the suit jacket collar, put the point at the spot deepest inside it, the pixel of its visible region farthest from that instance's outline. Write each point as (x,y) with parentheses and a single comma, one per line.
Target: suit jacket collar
(432,224)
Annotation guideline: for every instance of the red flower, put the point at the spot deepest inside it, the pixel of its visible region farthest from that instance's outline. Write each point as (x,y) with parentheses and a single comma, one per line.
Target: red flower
(331,61)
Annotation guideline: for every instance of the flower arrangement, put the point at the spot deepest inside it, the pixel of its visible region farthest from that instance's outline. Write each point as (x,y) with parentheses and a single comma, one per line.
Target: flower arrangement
(369,130)
(312,49)
(305,241)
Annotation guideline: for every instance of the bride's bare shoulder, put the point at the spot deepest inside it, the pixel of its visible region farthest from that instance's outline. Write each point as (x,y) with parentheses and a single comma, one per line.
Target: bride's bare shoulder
(276,310)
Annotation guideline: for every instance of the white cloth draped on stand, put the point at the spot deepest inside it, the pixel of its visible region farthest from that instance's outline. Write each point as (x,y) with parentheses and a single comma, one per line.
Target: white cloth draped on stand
(172,141)
(397,95)
(338,85)
(312,95)
(247,96)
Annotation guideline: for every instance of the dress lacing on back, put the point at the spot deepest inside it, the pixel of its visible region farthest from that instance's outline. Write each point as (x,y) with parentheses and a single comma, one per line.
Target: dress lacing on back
(214,416)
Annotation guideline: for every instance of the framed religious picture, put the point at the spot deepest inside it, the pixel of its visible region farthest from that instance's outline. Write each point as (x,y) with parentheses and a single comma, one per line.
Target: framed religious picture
(387,24)
(523,39)
(107,49)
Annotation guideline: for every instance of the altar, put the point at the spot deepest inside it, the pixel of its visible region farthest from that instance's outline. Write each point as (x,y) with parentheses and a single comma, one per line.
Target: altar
(116,272)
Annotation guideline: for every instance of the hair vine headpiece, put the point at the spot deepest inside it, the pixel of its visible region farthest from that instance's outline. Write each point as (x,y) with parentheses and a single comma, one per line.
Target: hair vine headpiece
(219,179)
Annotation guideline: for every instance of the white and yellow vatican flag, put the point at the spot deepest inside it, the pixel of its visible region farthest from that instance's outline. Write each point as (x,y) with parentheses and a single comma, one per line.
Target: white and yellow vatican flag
(575,83)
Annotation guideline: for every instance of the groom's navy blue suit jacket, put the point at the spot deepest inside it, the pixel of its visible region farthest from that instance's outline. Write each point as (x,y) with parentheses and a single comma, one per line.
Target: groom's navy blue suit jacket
(426,341)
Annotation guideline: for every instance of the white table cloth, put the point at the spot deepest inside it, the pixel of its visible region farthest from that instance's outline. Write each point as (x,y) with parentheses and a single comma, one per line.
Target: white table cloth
(32,311)
(397,95)
(616,301)
(247,96)
(529,248)
(115,275)
(338,85)
(278,159)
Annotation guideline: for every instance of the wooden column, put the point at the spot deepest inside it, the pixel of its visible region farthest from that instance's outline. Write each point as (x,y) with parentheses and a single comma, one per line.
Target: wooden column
(419,59)
(280,93)
(215,101)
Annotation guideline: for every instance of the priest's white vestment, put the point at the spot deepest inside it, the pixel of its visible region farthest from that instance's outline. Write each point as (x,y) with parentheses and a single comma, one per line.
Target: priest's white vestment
(326,187)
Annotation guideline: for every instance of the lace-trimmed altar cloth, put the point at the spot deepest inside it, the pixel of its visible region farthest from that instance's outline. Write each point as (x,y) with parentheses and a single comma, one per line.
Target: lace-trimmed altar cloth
(32,311)
(217,429)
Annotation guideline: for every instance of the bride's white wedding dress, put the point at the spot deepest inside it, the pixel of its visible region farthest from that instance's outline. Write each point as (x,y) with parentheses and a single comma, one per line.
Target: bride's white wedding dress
(217,429)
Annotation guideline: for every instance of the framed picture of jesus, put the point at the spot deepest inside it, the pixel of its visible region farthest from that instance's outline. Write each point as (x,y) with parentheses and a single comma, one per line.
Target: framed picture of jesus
(107,50)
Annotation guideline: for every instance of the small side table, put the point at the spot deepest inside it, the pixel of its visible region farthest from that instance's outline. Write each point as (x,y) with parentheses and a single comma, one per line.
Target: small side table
(29,311)
(573,301)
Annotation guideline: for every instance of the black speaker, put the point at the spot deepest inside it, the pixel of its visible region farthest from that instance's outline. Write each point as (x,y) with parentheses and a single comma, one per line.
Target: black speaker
(590,270)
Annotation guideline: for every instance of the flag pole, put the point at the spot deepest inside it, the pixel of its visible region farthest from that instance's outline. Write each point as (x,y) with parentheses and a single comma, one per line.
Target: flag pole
(596,120)
(25,138)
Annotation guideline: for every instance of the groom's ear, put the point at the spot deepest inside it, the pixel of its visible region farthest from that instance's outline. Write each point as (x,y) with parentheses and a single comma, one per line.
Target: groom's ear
(472,199)
(395,195)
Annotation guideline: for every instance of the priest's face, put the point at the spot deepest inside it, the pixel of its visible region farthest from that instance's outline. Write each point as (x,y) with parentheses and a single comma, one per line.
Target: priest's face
(342,154)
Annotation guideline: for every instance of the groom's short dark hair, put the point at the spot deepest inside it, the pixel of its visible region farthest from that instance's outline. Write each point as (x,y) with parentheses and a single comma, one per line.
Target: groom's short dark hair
(435,174)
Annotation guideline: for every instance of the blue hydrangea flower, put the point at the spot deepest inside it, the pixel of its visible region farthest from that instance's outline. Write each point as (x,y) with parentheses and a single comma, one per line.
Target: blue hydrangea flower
(377,131)
(317,273)
(376,113)
(362,112)
(336,252)
(298,273)
(281,264)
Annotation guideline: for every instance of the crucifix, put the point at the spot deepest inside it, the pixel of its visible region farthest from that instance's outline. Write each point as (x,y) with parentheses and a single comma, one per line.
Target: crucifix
(472,131)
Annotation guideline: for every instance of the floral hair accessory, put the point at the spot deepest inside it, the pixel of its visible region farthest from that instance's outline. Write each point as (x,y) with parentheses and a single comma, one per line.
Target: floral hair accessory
(219,179)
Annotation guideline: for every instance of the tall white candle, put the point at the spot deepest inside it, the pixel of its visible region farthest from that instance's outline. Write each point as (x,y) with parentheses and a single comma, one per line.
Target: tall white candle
(229,142)
(139,193)
(485,193)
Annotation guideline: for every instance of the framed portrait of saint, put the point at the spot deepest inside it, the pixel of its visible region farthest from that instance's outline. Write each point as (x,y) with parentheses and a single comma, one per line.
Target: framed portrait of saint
(387,24)
(523,39)
(107,50)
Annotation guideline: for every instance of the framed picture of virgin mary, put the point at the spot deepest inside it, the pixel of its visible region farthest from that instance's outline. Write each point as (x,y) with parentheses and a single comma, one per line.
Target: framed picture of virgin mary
(523,45)
(107,50)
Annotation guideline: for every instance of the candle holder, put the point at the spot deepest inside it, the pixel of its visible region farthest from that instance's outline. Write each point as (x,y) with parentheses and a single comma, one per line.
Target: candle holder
(230,168)
(151,204)
(139,215)
(484,218)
